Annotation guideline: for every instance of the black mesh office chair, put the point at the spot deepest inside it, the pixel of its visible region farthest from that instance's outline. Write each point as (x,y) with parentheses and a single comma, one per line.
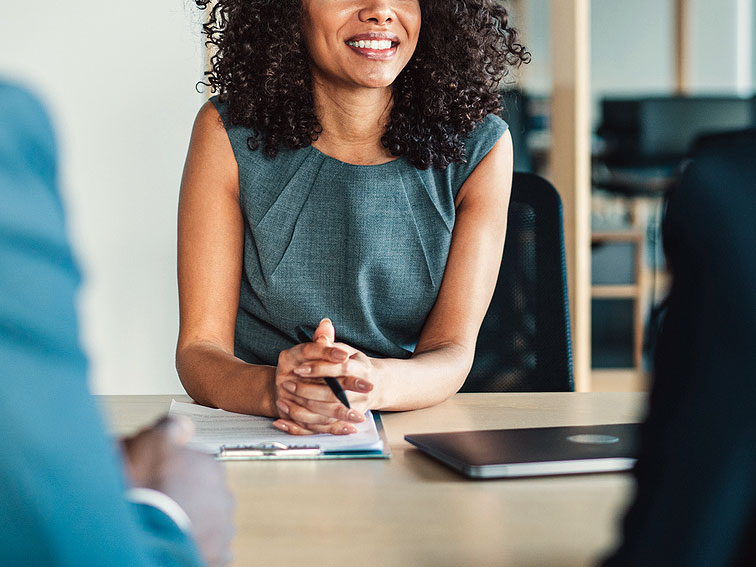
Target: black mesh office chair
(524,344)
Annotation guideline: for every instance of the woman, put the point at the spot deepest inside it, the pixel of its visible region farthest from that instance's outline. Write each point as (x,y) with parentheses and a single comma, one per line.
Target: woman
(353,167)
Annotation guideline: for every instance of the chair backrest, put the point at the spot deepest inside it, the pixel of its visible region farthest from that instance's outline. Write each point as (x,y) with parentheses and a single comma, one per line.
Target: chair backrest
(524,343)
(724,141)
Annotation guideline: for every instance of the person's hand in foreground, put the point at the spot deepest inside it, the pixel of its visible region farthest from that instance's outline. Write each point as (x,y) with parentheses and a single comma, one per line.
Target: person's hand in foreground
(158,458)
(305,403)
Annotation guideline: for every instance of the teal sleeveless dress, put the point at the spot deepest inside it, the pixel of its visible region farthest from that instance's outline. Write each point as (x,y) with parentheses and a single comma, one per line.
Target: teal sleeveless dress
(365,245)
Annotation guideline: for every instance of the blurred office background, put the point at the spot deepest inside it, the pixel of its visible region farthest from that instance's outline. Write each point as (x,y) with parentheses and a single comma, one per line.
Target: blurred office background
(662,74)
(120,82)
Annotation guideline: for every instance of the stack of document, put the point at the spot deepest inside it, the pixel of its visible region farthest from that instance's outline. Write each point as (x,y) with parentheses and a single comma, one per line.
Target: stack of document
(215,429)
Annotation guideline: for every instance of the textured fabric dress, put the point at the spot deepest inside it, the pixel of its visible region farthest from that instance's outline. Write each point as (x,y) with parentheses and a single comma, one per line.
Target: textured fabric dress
(365,245)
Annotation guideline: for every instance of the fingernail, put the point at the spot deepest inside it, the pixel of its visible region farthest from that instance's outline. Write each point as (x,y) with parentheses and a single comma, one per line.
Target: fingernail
(325,320)
(362,385)
(282,406)
(339,355)
(356,416)
(348,429)
(282,426)
(289,387)
(302,370)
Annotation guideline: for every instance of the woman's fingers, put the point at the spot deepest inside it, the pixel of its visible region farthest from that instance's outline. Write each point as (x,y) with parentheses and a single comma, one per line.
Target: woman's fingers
(352,374)
(336,410)
(325,333)
(326,414)
(319,391)
(295,356)
(331,407)
(305,403)
(319,351)
(289,426)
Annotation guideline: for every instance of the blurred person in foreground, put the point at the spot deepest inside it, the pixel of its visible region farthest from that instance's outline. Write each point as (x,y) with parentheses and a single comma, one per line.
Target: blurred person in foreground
(65,499)
(695,503)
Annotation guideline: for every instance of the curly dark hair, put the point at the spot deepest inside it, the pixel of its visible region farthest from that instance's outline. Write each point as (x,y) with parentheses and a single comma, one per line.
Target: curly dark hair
(261,68)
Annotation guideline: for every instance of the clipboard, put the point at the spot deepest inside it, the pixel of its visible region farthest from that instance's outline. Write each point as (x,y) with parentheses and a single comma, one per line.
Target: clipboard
(296,452)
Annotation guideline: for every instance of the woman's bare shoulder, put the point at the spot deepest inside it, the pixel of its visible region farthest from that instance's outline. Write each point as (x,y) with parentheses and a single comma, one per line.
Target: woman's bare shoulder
(210,150)
(210,133)
(208,122)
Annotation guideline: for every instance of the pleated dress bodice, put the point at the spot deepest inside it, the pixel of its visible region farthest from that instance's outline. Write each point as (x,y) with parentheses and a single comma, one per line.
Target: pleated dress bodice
(365,246)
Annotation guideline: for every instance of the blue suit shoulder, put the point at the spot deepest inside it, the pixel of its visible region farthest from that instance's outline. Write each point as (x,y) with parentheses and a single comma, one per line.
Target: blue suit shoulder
(62,488)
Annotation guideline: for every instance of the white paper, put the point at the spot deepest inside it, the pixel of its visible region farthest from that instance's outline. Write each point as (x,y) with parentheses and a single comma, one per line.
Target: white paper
(215,427)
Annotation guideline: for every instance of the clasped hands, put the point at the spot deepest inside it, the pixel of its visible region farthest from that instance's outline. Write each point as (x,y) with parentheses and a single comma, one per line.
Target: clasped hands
(306,405)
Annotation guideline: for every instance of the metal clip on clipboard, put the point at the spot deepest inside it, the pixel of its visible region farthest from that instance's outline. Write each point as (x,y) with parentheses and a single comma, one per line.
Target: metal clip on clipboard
(274,450)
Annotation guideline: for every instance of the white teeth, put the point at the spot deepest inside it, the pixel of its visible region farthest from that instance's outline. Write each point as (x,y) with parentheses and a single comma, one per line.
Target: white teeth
(371,44)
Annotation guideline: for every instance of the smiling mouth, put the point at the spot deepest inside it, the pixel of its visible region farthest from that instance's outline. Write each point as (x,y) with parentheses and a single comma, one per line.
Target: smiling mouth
(373,44)
(376,49)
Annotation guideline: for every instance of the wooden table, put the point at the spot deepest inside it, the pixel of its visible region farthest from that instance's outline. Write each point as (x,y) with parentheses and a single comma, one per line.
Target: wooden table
(411,510)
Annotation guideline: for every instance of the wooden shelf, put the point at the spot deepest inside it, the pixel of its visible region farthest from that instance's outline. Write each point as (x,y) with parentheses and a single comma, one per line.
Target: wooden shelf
(635,235)
(617,236)
(629,291)
(619,380)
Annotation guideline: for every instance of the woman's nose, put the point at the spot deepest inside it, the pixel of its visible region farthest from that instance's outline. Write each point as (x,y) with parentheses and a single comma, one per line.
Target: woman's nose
(378,11)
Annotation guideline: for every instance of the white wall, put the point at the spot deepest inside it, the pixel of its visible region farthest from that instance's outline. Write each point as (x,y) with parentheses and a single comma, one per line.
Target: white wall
(721,46)
(120,81)
(631,46)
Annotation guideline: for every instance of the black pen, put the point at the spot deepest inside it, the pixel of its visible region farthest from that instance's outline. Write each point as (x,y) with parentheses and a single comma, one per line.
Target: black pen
(337,390)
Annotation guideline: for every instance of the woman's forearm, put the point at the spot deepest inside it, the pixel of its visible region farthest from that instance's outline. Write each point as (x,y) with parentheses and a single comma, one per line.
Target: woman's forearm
(216,378)
(426,379)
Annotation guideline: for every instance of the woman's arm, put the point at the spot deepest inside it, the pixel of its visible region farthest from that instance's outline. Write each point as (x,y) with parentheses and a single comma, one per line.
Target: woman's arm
(210,251)
(446,346)
(210,248)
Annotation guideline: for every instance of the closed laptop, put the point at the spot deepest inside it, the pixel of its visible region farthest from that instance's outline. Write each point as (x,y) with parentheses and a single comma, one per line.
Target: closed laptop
(541,451)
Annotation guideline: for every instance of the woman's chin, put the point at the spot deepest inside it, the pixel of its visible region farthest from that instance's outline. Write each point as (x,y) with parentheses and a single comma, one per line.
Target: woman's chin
(375,81)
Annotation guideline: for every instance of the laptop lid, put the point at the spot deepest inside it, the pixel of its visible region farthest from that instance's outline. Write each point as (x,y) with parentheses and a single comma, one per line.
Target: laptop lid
(541,451)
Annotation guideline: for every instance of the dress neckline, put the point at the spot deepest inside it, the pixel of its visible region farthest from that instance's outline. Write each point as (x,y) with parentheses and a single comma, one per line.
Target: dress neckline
(354,165)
